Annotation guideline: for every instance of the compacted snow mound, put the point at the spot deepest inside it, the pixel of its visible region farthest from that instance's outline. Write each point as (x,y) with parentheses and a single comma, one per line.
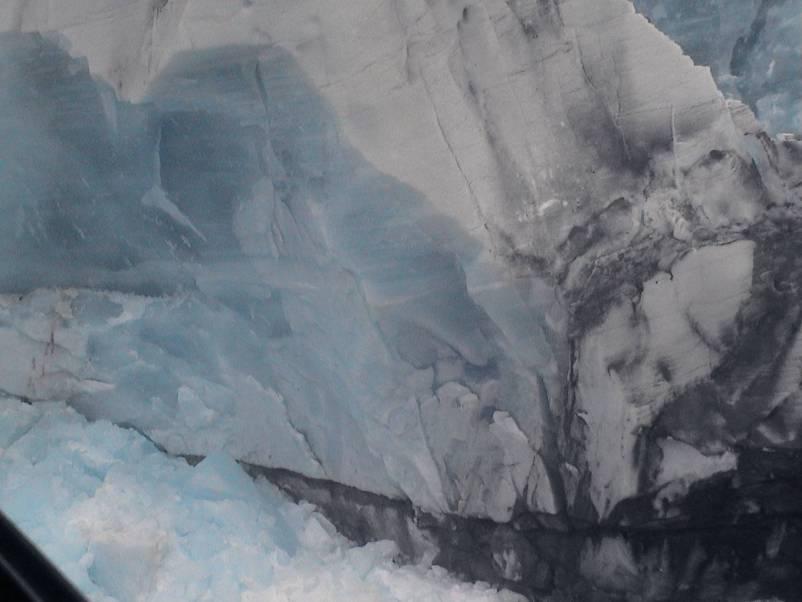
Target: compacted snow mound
(126,522)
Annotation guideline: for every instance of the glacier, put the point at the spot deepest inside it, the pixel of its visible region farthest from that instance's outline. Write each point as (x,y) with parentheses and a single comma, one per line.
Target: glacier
(751,47)
(254,285)
(524,268)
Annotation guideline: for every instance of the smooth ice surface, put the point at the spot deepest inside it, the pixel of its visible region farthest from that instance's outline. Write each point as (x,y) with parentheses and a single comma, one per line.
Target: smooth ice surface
(752,46)
(126,522)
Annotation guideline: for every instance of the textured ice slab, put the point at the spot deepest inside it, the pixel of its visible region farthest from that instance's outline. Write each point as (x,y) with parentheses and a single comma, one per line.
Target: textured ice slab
(751,46)
(125,522)
(630,365)
(227,273)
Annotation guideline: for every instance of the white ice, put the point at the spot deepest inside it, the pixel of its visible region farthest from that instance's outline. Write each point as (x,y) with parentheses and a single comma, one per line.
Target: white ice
(126,522)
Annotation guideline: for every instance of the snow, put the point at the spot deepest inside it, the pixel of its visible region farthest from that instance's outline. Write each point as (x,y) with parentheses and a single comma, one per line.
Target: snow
(126,522)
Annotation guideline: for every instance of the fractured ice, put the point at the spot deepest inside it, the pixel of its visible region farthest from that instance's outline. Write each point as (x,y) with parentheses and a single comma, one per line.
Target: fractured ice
(224,272)
(125,522)
(751,46)
(520,265)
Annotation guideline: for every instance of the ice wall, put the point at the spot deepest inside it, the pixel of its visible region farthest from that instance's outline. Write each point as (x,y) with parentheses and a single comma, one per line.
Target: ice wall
(493,257)
(225,272)
(125,522)
(751,46)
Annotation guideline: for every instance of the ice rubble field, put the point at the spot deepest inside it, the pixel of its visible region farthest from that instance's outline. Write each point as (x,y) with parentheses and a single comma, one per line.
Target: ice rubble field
(125,522)
(752,49)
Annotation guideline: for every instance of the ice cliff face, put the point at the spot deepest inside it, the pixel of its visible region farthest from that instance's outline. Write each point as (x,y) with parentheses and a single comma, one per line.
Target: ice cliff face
(751,46)
(491,257)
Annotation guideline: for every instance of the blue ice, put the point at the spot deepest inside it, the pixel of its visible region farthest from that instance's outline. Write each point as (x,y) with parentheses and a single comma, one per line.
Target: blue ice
(125,522)
(751,46)
(217,267)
